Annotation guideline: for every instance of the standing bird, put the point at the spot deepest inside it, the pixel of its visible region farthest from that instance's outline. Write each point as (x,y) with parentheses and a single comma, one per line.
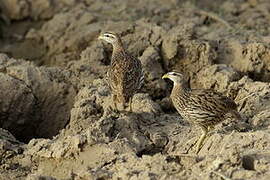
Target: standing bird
(125,75)
(203,107)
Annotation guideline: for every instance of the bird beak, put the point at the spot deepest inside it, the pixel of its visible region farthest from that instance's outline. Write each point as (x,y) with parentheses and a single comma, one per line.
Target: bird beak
(165,76)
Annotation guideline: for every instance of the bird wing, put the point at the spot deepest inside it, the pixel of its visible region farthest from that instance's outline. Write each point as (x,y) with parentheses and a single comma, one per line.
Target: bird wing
(115,77)
(212,100)
(125,75)
(133,74)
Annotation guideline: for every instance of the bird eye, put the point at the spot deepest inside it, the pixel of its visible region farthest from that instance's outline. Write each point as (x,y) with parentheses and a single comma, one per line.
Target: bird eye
(106,35)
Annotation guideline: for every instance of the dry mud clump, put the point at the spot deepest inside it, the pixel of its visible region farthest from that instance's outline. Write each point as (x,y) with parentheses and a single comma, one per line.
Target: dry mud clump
(55,115)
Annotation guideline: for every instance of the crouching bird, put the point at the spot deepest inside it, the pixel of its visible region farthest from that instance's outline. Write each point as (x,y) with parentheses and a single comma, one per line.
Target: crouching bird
(125,75)
(202,107)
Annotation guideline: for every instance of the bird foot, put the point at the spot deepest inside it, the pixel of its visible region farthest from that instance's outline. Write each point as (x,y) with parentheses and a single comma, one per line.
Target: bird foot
(199,143)
(117,136)
(127,108)
(110,110)
(198,148)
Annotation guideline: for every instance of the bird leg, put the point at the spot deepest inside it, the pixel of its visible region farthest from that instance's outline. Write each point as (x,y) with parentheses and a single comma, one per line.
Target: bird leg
(115,102)
(130,104)
(210,130)
(201,139)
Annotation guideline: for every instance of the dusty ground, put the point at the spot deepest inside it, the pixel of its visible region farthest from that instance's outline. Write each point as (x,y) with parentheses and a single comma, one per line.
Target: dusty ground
(54,101)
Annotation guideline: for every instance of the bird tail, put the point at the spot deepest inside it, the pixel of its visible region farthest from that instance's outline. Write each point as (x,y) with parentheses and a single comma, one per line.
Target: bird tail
(235,114)
(240,124)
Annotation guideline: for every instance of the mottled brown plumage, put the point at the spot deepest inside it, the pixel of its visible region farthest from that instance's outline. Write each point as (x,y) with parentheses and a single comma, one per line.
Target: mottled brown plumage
(125,75)
(203,107)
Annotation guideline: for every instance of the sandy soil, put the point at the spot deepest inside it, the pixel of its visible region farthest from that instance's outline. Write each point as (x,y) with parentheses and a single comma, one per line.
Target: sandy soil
(55,121)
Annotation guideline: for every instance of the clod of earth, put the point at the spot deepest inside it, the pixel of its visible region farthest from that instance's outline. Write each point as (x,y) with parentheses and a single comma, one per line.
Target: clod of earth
(55,117)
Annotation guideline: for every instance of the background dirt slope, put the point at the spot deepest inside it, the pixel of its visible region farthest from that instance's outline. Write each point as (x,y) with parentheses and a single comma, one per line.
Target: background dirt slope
(54,102)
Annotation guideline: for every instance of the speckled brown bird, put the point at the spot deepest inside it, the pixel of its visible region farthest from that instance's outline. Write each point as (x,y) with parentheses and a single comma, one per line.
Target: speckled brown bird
(203,107)
(125,75)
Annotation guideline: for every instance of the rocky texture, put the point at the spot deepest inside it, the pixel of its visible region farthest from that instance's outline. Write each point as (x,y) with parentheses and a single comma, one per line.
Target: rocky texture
(250,58)
(17,106)
(40,9)
(34,99)
(10,151)
(183,52)
(55,105)
(154,84)
(253,96)
(218,77)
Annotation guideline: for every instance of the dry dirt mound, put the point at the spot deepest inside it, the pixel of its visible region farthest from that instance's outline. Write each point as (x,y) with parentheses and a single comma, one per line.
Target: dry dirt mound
(55,116)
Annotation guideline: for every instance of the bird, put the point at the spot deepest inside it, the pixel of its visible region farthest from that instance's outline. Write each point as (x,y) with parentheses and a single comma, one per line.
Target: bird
(202,107)
(125,75)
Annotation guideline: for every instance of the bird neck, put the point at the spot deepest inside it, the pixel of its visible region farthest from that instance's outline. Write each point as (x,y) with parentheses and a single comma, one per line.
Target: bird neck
(118,47)
(179,88)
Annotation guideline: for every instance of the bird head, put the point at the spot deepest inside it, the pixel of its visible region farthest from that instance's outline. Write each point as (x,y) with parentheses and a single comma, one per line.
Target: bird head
(176,77)
(110,37)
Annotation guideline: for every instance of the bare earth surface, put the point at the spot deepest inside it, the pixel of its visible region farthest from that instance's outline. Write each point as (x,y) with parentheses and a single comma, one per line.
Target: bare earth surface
(55,120)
